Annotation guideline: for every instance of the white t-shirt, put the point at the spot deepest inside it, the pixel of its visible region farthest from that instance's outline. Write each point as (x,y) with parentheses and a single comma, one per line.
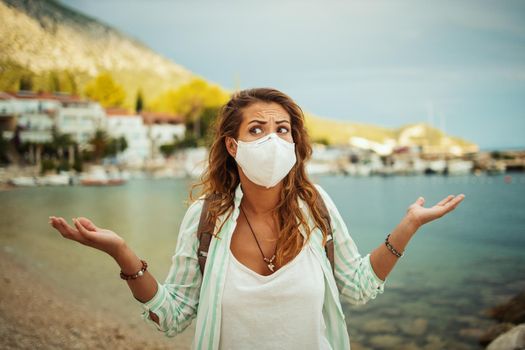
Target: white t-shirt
(279,311)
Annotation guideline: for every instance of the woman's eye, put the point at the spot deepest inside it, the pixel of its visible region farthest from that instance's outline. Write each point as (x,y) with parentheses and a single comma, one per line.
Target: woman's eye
(283,130)
(255,130)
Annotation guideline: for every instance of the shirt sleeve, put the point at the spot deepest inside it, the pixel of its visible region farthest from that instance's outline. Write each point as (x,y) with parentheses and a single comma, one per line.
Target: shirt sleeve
(176,301)
(355,278)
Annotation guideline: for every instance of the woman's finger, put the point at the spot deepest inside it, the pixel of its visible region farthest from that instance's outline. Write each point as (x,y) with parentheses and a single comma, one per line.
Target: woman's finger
(68,231)
(57,224)
(454,202)
(457,200)
(445,200)
(87,223)
(88,234)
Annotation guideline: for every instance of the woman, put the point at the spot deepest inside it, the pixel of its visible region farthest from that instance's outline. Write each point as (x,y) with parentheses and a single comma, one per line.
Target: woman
(268,283)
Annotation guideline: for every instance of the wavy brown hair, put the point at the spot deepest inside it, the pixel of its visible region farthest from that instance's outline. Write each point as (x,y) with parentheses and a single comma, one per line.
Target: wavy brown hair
(221,176)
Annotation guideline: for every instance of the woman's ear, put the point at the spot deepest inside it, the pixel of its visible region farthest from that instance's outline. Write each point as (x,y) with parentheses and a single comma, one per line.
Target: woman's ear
(231,146)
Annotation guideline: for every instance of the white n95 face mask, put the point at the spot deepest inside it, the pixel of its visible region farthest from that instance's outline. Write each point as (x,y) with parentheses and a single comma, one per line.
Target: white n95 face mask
(267,160)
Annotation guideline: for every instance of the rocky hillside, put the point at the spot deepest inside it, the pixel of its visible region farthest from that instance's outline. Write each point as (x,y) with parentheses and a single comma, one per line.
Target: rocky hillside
(42,36)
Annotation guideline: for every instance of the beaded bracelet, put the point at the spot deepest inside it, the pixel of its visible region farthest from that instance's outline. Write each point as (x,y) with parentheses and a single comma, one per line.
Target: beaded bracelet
(391,248)
(138,274)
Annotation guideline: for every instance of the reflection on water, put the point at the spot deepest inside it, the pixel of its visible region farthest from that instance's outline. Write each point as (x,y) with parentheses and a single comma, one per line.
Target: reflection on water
(453,268)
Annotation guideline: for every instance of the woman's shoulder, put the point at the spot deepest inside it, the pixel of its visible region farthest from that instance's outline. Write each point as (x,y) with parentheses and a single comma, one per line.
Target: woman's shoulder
(320,189)
(192,215)
(328,201)
(195,207)
(324,195)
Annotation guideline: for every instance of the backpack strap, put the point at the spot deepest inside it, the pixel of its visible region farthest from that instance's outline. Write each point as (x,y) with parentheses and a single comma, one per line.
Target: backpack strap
(329,246)
(204,233)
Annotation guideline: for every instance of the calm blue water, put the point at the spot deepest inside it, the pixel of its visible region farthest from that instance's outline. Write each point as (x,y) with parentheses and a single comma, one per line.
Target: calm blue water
(453,268)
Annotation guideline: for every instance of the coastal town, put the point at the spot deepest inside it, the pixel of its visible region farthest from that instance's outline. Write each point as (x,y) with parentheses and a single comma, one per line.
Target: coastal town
(55,139)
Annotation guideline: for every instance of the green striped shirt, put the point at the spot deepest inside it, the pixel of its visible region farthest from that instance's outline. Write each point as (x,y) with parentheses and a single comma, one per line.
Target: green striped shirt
(186,294)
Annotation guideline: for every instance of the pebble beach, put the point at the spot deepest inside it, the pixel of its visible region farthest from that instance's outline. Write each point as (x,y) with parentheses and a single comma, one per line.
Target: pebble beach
(34,314)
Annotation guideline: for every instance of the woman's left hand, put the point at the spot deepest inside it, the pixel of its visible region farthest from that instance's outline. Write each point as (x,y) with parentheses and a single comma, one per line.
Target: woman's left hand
(421,215)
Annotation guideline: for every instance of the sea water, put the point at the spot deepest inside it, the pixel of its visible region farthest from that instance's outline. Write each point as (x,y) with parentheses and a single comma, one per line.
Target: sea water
(453,269)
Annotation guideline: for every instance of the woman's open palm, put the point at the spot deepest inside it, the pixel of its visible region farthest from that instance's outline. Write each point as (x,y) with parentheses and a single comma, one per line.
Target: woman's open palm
(424,215)
(85,232)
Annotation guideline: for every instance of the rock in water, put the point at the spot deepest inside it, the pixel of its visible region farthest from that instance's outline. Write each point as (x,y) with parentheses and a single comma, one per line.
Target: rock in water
(379,326)
(513,339)
(493,332)
(512,311)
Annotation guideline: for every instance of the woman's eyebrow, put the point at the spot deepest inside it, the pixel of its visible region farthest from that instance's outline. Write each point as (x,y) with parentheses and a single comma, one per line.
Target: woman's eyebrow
(264,121)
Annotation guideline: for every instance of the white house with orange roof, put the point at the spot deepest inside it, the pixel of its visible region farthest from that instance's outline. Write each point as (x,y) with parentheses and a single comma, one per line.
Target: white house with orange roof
(121,122)
(164,128)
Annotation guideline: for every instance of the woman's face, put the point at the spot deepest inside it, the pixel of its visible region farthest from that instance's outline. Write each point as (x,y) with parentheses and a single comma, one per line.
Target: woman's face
(260,119)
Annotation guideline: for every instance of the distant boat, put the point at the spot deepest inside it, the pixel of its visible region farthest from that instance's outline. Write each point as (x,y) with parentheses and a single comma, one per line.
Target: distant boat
(319,168)
(459,167)
(98,176)
(437,166)
(496,168)
(54,180)
(25,181)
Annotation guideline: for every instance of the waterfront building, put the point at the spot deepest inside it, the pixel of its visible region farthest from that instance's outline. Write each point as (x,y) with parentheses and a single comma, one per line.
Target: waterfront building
(36,114)
(162,129)
(122,123)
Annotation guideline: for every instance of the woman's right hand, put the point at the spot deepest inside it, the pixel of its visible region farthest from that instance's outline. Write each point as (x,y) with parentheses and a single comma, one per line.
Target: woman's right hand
(85,232)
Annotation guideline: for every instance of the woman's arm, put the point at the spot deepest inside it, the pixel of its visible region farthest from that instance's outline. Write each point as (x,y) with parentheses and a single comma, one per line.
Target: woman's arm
(143,288)
(170,306)
(361,278)
(382,259)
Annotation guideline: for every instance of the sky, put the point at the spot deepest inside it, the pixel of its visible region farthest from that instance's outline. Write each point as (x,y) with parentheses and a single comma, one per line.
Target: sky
(458,65)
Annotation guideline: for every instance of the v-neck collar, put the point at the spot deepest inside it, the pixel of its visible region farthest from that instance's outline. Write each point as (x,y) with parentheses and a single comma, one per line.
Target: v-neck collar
(273,275)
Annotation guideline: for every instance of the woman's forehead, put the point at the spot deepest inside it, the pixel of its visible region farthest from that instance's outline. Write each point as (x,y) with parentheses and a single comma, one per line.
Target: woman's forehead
(265,111)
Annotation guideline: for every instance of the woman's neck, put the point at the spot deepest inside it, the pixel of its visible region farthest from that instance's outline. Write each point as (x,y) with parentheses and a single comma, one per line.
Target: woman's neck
(258,199)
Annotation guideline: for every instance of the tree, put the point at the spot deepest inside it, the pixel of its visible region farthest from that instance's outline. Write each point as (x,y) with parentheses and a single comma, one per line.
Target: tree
(106,91)
(4,159)
(190,100)
(104,146)
(115,146)
(25,83)
(69,83)
(53,82)
(61,142)
(208,118)
(139,102)
(12,75)
(100,143)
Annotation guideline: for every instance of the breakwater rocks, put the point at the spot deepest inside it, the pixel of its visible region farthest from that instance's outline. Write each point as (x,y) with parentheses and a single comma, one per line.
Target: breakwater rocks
(509,334)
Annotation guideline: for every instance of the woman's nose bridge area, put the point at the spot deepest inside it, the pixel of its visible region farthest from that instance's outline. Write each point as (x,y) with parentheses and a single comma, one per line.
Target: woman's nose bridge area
(269,135)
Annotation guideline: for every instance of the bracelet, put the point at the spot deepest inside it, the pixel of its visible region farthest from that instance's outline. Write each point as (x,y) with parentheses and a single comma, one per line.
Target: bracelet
(136,275)
(391,248)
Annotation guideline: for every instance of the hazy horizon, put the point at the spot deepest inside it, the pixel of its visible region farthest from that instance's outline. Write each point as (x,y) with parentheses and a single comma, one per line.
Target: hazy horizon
(457,66)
